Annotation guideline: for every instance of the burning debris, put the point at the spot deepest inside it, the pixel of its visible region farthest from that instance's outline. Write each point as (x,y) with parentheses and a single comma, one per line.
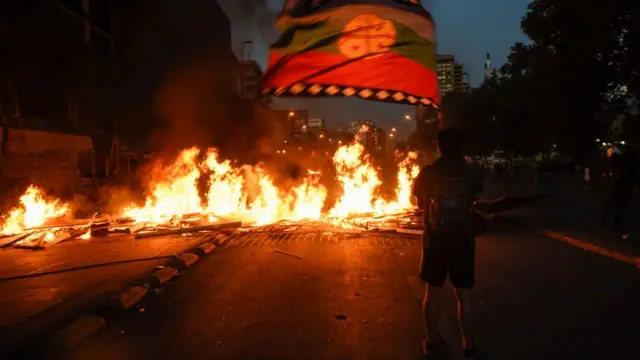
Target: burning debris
(235,194)
(34,210)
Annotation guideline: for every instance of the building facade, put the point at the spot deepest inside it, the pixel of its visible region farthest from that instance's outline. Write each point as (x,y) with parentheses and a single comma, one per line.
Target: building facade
(316,126)
(371,136)
(451,75)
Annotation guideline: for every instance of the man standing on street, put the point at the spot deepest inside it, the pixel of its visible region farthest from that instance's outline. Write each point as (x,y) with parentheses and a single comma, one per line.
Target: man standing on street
(446,191)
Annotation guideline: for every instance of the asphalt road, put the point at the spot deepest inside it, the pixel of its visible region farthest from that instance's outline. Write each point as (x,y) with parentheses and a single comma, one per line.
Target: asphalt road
(353,297)
(41,287)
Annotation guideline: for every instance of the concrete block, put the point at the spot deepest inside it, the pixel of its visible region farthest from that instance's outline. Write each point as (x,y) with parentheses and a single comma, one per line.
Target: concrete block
(77,331)
(165,274)
(204,249)
(220,238)
(132,296)
(186,259)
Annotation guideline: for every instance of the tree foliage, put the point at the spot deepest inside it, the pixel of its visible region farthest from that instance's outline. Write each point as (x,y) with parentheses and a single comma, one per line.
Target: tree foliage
(472,114)
(567,85)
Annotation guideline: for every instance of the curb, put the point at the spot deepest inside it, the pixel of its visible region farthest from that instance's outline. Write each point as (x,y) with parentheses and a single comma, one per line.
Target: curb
(76,332)
(164,274)
(204,249)
(85,326)
(185,260)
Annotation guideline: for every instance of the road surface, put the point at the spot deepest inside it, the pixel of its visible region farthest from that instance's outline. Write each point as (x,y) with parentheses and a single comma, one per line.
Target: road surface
(354,297)
(42,287)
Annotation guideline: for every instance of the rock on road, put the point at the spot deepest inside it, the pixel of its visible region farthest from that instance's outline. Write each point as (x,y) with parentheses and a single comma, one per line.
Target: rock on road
(351,298)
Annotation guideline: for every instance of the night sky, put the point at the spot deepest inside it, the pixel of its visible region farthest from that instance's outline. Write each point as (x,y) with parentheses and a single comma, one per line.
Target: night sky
(467,29)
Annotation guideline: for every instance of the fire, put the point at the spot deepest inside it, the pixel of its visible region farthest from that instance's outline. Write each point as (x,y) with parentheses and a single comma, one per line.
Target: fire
(246,193)
(34,210)
(201,182)
(408,170)
(175,195)
(359,181)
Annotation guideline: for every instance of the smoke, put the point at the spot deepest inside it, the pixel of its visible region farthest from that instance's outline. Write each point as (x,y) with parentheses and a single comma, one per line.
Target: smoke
(252,20)
(193,106)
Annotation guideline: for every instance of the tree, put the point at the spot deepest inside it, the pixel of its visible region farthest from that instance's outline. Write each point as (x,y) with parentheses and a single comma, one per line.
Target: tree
(571,67)
(470,112)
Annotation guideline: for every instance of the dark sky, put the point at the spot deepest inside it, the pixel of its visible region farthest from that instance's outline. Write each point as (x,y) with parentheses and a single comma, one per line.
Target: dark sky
(467,29)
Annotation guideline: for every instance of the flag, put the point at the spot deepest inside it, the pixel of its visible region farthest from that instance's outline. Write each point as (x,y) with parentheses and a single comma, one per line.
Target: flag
(380,50)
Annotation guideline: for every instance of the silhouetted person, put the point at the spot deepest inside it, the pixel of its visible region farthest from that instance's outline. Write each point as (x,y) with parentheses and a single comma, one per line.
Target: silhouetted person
(621,178)
(447,190)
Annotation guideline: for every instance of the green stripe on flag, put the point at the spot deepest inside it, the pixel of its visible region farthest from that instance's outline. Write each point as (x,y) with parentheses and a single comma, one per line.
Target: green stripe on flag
(415,47)
(323,36)
(319,36)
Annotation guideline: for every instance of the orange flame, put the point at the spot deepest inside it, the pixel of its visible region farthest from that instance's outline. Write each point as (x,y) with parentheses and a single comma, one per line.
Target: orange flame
(34,210)
(360,183)
(246,193)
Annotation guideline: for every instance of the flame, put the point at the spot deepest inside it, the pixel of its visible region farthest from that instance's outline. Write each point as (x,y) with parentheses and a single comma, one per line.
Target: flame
(175,195)
(408,170)
(359,181)
(246,193)
(85,236)
(34,210)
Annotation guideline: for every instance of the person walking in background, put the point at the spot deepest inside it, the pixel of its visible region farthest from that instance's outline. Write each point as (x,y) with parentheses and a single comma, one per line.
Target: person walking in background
(621,179)
(587,177)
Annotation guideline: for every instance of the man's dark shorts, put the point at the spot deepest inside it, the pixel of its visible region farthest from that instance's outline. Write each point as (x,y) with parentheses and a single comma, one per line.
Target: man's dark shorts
(452,255)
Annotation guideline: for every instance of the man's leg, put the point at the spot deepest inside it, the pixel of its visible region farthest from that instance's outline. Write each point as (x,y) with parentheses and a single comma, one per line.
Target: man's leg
(431,305)
(463,278)
(433,271)
(465,316)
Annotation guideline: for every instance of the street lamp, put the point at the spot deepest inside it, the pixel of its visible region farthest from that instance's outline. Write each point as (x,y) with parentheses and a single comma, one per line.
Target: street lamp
(390,135)
(407,117)
(291,113)
(393,129)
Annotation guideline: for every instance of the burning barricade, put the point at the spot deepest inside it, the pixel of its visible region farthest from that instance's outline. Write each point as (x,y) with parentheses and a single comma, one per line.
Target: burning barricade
(235,195)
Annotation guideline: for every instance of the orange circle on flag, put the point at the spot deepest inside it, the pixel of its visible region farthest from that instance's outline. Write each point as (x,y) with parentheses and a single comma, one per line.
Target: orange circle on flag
(367,36)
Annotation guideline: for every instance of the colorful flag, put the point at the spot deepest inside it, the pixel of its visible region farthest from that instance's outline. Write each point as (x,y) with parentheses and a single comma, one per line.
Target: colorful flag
(374,49)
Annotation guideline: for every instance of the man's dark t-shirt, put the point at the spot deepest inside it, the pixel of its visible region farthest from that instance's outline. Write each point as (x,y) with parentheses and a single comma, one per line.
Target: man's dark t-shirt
(455,254)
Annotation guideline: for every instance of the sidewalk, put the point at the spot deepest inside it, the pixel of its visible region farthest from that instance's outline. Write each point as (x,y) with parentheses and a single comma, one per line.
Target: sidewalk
(572,214)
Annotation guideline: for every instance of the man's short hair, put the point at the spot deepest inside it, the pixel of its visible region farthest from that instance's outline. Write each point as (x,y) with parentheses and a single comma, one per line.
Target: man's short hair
(450,141)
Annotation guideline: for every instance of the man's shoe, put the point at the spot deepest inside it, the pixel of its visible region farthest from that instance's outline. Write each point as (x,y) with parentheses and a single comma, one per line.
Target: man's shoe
(431,351)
